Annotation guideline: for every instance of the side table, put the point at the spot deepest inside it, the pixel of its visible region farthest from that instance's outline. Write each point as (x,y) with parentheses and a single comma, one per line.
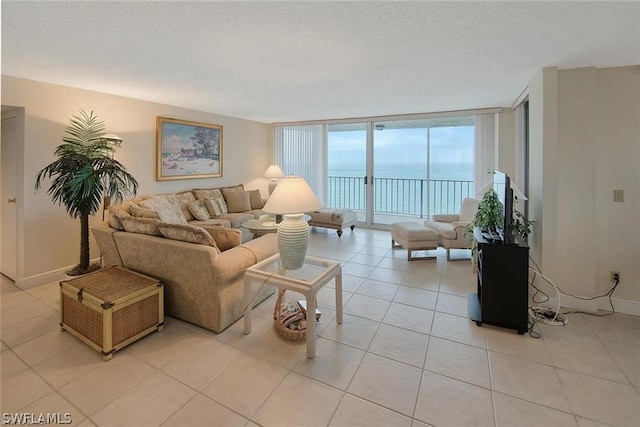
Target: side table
(308,280)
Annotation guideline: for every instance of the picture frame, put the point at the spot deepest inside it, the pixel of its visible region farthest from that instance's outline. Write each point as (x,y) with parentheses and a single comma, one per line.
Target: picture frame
(187,150)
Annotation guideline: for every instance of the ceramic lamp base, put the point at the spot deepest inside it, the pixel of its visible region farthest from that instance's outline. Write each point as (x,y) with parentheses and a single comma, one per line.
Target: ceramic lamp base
(273,183)
(293,238)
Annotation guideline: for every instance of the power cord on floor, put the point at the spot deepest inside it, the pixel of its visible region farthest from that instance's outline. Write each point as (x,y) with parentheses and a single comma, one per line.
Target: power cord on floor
(547,313)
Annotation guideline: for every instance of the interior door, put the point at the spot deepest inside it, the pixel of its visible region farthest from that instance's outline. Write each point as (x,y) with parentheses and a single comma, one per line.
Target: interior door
(8,217)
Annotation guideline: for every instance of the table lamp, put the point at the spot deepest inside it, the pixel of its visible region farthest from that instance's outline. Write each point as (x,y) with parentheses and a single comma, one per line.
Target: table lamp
(292,198)
(274,173)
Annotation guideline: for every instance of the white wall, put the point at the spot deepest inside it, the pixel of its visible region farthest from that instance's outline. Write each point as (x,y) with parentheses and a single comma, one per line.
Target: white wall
(617,162)
(584,142)
(51,237)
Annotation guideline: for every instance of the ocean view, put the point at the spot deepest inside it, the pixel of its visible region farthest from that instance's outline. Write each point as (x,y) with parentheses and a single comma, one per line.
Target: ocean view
(438,171)
(403,189)
(423,168)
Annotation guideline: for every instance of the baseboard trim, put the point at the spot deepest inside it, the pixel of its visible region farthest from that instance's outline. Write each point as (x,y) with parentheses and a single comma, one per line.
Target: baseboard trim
(592,306)
(621,306)
(25,283)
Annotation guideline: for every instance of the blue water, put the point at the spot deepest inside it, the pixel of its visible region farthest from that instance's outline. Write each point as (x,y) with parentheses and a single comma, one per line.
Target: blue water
(438,171)
(404,193)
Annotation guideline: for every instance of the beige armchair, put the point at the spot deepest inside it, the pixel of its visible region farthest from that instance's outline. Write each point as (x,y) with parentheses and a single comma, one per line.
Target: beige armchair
(451,229)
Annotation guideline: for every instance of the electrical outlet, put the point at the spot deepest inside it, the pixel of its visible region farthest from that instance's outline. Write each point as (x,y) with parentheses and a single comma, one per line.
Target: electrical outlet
(615,276)
(618,195)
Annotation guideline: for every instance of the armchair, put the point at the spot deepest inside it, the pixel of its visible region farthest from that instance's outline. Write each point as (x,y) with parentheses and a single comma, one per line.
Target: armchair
(451,228)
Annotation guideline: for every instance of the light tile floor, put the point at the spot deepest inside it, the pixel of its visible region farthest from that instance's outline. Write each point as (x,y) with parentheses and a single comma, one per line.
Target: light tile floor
(406,355)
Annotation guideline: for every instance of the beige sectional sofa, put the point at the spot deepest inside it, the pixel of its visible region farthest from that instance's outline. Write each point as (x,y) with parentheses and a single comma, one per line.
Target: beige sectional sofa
(225,206)
(201,262)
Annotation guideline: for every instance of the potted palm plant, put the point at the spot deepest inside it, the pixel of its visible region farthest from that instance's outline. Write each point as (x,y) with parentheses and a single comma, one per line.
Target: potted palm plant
(84,174)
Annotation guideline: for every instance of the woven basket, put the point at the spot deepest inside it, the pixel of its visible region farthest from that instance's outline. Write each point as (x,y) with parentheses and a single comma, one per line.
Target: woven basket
(283,331)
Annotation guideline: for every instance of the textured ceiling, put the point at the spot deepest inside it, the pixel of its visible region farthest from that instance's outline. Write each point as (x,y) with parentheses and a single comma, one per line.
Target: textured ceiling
(293,61)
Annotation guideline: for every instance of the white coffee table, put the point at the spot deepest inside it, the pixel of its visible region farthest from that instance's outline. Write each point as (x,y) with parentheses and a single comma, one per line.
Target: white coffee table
(308,280)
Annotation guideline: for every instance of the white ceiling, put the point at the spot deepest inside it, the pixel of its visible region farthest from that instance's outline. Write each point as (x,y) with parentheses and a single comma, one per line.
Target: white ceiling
(295,61)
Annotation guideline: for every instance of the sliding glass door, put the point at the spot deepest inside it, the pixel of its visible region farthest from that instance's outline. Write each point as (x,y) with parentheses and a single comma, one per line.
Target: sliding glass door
(396,170)
(347,168)
(400,172)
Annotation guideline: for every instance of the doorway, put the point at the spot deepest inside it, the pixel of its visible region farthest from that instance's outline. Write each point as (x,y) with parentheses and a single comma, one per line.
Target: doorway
(10,203)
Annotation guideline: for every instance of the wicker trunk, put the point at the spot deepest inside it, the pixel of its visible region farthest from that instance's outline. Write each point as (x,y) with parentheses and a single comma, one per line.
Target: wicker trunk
(111,308)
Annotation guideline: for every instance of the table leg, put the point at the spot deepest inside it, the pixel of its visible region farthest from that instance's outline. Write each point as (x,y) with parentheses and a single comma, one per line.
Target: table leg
(247,305)
(311,325)
(339,297)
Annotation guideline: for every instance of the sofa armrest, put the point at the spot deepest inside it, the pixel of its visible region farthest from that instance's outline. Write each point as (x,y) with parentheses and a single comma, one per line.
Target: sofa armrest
(235,261)
(445,217)
(460,227)
(104,236)
(460,224)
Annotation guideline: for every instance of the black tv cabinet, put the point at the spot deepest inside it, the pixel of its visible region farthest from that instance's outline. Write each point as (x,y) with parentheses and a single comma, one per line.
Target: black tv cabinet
(503,289)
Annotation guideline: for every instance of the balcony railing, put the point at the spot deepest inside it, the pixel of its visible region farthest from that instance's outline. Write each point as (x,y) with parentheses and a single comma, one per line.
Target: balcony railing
(401,196)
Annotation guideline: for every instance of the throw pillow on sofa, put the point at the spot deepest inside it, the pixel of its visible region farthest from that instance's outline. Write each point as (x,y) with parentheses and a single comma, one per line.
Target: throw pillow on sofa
(198,210)
(184,199)
(256,199)
(115,218)
(168,208)
(216,207)
(141,225)
(140,212)
(225,238)
(187,233)
(206,193)
(237,200)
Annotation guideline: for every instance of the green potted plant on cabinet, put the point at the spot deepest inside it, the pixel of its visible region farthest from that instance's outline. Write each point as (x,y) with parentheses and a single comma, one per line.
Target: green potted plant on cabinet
(84,174)
(490,215)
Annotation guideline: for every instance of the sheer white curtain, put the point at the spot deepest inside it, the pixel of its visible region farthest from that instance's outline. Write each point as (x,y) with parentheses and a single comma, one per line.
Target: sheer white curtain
(300,150)
(485,141)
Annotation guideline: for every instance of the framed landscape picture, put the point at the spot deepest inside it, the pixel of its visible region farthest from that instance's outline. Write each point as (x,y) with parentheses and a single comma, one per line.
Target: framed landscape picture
(187,149)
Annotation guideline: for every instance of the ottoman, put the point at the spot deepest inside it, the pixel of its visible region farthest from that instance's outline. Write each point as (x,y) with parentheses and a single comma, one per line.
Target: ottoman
(333,218)
(413,236)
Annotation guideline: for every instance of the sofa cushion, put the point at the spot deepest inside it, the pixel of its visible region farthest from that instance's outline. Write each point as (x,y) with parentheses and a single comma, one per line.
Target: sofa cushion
(216,207)
(468,209)
(115,218)
(140,212)
(256,199)
(225,238)
(239,187)
(134,224)
(187,233)
(237,200)
(444,229)
(206,193)
(167,207)
(198,210)
(184,199)
(236,219)
(213,221)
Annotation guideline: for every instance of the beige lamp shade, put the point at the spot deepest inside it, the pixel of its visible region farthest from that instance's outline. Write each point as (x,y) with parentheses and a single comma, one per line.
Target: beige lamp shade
(273,172)
(111,137)
(292,195)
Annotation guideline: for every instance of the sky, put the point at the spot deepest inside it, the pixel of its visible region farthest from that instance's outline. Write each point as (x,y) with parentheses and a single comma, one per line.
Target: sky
(408,147)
